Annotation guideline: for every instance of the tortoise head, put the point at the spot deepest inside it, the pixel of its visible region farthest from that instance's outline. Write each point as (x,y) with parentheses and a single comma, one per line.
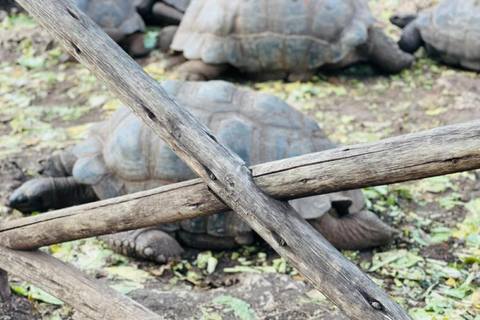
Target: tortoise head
(402,20)
(33,195)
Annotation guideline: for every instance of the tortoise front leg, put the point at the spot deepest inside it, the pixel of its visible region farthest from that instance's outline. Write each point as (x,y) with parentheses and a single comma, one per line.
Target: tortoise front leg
(165,38)
(59,164)
(384,53)
(147,243)
(165,14)
(197,70)
(134,45)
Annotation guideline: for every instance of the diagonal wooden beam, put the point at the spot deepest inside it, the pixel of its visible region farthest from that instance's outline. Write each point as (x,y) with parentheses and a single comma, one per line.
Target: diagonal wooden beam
(420,155)
(223,172)
(65,282)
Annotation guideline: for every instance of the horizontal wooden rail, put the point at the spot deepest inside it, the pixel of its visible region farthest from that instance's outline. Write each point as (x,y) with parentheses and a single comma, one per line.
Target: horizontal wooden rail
(86,294)
(420,155)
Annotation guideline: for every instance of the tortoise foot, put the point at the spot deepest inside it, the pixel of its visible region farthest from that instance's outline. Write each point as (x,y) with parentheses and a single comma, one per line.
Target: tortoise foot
(150,243)
(301,77)
(165,38)
(196,70)
(134,45)
(355,231)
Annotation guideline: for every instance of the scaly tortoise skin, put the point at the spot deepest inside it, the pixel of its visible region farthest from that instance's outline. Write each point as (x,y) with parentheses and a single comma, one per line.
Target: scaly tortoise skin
(450,32)
(277,39)
(119,19)
(122,156)
(162,12)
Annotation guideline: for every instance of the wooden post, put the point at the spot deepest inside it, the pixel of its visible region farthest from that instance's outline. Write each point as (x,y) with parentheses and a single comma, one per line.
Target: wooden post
(66,283)
(424,154)
(223,172)
(4,286)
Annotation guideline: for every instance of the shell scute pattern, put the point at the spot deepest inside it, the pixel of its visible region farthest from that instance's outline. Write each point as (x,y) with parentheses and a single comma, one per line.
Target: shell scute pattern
(263,35)
(109,14)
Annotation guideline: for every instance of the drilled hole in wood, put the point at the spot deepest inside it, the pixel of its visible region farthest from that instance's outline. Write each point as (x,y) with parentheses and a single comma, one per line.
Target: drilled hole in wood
(279,239)
(77,49)
(374,303)
(149,112)
(73,14)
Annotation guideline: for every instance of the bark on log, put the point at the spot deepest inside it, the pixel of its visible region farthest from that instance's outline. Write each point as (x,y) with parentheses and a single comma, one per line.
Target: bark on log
(224,173)
(68,284)
(4,286)
(420,155)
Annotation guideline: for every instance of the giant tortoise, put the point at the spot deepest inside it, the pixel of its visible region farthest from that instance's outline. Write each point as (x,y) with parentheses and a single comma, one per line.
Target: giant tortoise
(277,39)
(449,32)
(119,19)
(122,156)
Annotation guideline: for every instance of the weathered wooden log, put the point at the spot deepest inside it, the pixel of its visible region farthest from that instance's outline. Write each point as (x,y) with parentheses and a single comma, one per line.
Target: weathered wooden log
(420,155)
(4,286)
(224,173)
(68,284)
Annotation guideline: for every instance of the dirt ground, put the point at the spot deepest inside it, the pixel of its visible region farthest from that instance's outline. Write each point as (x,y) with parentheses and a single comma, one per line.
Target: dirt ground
(431,269)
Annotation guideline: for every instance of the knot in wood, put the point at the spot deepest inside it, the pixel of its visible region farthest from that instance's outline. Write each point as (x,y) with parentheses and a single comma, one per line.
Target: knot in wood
(376,305)
(279,239)
(212,176)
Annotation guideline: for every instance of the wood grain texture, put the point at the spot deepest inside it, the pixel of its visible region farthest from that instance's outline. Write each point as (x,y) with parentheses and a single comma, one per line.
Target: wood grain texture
(4,286)
(420,155)
(68,284)
(223,172)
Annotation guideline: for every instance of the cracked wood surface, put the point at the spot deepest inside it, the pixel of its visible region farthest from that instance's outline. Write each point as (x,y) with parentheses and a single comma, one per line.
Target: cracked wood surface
(420,155)
(88,295)
(224,173)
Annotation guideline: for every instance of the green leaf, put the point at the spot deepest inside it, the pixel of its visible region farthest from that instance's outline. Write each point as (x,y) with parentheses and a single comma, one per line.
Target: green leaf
(128,273)
(38,294)
(150,39)
(211,265)
(239,307)
(126,287)
(32,62)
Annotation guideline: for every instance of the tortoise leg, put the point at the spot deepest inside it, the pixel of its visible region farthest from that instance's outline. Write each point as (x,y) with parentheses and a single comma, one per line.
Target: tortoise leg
(59,164)
(115,34)
(197,70)
(174,60)
(355,231)
(302,77)
(164,14)
(268,76)
(50,193)
(134,45)
(470,64)
(411,39)
(148,243)
(402,21)
(165,38)
(205,241)
(385,53)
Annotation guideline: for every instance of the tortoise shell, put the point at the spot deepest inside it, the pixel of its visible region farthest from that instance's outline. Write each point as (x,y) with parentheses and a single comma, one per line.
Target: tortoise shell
(268,35)
(117,15)
(452,30)
(122,155)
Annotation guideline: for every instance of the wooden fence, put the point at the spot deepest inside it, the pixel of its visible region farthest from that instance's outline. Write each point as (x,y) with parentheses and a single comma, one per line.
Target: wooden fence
(255,194)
